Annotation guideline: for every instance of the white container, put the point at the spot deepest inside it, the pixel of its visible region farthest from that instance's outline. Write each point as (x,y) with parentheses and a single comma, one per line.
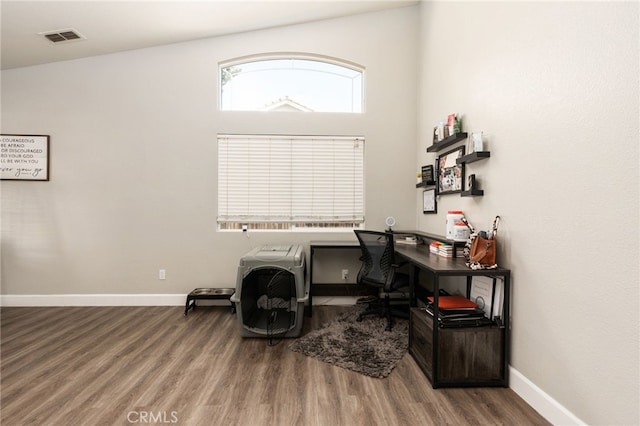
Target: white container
(453,216)
(460,231)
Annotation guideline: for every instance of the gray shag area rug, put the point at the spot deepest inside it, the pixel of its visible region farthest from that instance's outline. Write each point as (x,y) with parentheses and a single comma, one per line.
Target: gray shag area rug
(364,347)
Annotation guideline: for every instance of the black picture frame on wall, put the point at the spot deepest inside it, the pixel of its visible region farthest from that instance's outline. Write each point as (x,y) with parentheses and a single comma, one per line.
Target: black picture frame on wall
(450,174)
(428,177)
(429,201)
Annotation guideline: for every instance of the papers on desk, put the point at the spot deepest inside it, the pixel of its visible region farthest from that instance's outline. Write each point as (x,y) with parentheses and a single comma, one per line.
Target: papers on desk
(488,294)
(409,240)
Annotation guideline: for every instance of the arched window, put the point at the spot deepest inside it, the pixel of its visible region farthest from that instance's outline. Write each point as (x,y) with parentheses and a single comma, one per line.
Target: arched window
(291,83)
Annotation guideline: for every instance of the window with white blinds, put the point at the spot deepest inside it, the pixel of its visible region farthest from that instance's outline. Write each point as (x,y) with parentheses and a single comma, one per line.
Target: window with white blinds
(290,182)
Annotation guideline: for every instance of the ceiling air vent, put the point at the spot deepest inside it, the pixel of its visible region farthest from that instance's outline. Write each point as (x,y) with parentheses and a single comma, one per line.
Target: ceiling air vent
(61,36)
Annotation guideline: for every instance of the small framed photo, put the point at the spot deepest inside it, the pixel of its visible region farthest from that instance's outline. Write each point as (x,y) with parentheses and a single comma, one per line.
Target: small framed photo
(471,182)
(429,203)
(477,142)
(450,174)
(428,176)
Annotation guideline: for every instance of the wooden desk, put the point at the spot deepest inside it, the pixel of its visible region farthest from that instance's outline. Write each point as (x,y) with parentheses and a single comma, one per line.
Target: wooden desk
(467,356)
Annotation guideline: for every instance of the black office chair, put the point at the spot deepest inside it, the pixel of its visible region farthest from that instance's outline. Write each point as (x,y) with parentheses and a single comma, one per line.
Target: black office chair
(379,270)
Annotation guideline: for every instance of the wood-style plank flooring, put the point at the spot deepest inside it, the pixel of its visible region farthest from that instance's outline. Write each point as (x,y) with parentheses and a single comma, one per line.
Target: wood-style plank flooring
(152,365)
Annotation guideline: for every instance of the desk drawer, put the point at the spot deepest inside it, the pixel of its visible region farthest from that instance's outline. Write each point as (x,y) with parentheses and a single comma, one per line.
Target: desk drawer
(466,356)
(421,341)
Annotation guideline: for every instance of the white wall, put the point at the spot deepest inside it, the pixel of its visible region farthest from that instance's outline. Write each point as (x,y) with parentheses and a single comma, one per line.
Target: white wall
(133,157)
(555,87)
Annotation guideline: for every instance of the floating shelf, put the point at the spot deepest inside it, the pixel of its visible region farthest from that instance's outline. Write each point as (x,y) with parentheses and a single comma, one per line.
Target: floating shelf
(472,193)
(473,157)
(447,142)
(426,184)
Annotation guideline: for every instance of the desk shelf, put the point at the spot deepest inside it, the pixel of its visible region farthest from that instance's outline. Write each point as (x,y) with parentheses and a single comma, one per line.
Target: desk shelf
(455,357)
(478,353)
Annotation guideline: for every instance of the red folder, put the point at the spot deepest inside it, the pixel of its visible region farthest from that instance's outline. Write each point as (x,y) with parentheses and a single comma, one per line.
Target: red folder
(454,302)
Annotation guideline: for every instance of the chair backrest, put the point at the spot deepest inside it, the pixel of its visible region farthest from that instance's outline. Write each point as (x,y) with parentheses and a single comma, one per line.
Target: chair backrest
(377,257)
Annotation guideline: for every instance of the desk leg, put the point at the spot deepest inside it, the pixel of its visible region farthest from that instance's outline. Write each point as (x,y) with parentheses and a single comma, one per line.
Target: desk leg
(436,328)
(309,310)
(506,322)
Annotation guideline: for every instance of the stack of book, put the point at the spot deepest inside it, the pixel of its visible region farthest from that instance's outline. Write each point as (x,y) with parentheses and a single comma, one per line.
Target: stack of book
(457,311)
(441,249)
(445,249)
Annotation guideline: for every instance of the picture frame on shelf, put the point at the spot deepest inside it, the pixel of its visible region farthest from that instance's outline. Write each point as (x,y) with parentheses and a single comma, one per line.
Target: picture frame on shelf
(450,174)
(476,142)
(429,202)
(428,175)
(471,182)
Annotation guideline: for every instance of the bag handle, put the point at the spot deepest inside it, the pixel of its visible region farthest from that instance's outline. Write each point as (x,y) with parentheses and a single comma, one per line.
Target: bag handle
(494,227)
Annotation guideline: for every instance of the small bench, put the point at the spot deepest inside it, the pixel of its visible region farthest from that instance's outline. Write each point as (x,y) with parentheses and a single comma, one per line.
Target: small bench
(209,293)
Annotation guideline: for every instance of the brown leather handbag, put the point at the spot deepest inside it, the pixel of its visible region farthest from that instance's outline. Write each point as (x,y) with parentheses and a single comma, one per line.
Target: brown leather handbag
(480,250)
(483,251)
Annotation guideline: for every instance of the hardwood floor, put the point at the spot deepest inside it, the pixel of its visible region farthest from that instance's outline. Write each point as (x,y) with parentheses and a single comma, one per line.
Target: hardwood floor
(142,365)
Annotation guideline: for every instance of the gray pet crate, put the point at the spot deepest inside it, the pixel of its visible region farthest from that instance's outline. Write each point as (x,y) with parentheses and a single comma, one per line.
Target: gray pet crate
(271,291)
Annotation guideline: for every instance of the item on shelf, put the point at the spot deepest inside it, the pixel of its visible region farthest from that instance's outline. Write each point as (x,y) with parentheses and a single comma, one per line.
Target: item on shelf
(451,121)
(410,240)
(427,175)
(472,183)
(454,302)
(441,134)
(477,142)
(453,216)
(419,178)
(445,250)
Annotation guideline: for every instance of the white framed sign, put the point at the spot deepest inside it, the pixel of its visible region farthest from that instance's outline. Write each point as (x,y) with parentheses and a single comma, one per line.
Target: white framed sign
(24,157)
(429,203)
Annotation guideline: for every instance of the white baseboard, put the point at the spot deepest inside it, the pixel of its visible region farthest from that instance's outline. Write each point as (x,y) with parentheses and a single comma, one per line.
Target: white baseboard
(92,300)
(546,406)
(27,300)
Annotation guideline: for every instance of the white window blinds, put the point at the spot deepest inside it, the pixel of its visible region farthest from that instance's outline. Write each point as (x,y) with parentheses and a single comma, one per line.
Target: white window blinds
(290,182)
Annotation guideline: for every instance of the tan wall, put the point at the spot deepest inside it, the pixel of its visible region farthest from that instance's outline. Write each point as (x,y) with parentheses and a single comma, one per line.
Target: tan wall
(134,166)
(555,87)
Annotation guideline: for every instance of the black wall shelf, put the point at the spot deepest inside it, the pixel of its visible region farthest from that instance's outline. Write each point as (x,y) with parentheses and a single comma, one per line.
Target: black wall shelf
(426,184)
(447,142)
(473,157)
(472,193)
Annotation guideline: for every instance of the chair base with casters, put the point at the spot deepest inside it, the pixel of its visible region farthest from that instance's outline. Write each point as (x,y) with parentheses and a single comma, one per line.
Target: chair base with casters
(378,270)
(384,307)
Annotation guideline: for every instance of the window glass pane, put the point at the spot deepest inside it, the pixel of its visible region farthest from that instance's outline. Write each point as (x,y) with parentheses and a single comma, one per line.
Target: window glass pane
(290,85)
(290,182)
